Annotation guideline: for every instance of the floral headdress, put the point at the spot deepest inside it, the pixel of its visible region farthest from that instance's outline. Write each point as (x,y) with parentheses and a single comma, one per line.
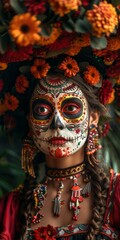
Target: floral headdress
(32,33)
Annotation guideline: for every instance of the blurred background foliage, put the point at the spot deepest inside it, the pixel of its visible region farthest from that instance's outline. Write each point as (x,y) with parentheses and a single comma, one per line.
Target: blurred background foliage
(11,174)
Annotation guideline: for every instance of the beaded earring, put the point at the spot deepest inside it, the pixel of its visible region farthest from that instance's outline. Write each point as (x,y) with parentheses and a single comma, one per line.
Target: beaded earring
(29,150)
(93,140)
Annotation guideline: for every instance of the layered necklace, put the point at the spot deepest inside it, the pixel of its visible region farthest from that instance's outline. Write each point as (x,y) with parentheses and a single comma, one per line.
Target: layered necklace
(77,193)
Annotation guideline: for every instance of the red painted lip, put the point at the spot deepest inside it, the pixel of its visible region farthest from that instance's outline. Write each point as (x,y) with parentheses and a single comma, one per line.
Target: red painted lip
(58,140)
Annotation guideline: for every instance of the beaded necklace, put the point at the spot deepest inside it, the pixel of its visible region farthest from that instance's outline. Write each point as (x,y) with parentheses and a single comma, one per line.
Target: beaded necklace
(77,193)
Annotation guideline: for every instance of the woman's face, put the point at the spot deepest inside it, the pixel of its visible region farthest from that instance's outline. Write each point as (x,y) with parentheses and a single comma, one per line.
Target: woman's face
(58,117)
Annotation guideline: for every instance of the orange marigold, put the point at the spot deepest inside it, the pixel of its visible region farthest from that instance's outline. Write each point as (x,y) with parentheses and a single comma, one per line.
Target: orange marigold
(100,53)
(111,97)
(103,18)
(69,66)
(45,40)
(3,66)
(118,80)
(91,75)
(24,29)
(113,44)
(77,44)
(11,102)
(40,68)
(62,7)
(21,84)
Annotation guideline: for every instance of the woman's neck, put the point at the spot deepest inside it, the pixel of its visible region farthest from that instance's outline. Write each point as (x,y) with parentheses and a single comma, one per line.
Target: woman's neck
(65,162)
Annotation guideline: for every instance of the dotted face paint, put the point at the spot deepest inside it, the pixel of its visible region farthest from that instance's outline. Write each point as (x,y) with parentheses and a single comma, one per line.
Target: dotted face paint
(58,117)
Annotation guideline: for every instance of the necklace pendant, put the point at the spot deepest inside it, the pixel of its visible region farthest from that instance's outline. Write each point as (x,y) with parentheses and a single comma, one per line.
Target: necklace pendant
(39,193)
(75,199)
(57,201)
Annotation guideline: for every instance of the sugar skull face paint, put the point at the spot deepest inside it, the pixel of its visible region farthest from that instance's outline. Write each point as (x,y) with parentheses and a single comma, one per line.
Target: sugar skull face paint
(58,117)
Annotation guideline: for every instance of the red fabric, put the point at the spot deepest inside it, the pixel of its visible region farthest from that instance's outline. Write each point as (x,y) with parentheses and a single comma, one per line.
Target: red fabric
(9,215)
(115,213)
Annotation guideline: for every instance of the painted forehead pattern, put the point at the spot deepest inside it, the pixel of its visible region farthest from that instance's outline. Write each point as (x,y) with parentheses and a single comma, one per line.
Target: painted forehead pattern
(55,85)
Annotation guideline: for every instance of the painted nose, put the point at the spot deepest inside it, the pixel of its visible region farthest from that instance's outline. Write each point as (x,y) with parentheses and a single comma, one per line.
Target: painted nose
(57,123)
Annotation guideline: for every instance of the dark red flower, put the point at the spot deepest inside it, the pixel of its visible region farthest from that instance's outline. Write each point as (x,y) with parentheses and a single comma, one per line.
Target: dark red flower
(105,91)
(114,70)
(45,233)
(17,55)
(85,3)
(35,7)
(104,129)
(62,42)
(1,85)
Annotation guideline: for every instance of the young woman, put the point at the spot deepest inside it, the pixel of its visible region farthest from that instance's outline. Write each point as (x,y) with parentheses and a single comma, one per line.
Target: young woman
(67,193)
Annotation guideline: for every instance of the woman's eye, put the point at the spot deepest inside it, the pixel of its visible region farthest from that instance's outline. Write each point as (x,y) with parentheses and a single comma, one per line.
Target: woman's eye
(42,109)
(71,108)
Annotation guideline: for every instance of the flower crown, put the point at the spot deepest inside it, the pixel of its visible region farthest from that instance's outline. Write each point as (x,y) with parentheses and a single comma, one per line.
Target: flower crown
(33,33)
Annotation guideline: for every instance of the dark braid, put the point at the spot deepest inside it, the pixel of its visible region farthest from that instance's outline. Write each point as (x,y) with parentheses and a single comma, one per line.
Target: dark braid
(27,200)
(100,185)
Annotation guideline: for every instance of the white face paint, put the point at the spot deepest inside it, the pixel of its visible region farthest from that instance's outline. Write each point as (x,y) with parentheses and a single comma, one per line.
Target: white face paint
(58,117)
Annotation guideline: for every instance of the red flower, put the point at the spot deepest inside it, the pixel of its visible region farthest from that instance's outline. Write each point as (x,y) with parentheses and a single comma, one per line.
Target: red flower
(85,3)
(17,55)
(1,85)
(45,233)
(104,129)
(114,70)
(62,42)
(105,92)
(11,102)
(21,84)
(35,7)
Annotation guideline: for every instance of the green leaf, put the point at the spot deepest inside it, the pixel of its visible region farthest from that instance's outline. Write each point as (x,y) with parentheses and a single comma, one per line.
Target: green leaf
(4,42)
(115,3)
(16,6)
(2,28)
(5,185)
(98,43)
(24,69)
(82,26)
(46,30)
(69,25)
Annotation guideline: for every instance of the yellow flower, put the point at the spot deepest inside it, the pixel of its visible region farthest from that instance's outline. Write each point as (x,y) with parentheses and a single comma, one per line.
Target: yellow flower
(40,68)
(103,18)
(24,29)
(69,66)
(62,7)
(45,40)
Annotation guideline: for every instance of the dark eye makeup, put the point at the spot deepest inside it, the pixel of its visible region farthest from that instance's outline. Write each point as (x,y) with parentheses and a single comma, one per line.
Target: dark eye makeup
(72,108)
(42,109)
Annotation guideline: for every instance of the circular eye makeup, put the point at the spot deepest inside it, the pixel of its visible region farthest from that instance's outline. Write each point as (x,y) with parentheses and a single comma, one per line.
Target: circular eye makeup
(42,109)
(72,108)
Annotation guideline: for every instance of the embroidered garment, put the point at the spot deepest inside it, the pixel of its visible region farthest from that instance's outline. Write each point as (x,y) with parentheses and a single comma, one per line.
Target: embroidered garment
(10,227)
